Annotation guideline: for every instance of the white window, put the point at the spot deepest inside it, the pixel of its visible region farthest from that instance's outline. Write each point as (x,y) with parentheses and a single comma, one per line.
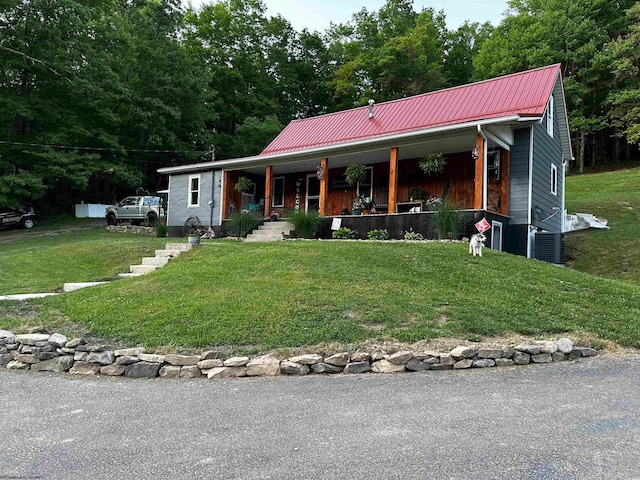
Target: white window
(554,179)
(277,198)
(550,117)
(194,191)
(365,187)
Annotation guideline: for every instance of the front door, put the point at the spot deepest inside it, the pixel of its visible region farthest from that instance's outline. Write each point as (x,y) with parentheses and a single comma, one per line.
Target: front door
(313,193)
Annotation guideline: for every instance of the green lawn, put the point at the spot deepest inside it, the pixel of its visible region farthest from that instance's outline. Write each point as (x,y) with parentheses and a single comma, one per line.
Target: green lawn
(616,197)
(263,296)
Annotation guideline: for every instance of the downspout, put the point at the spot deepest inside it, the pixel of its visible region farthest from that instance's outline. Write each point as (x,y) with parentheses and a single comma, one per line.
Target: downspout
(530,228)
(484,168)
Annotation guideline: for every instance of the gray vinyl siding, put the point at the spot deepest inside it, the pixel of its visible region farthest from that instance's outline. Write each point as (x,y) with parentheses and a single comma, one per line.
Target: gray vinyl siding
(178,207)
(547,151)
(519,177)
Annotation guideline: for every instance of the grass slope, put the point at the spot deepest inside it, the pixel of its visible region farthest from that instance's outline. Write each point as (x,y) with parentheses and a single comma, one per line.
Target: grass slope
(616,197)
(295,293)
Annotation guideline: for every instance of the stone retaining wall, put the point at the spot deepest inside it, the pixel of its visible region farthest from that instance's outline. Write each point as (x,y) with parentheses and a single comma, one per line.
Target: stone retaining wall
(132,229)
(56,353)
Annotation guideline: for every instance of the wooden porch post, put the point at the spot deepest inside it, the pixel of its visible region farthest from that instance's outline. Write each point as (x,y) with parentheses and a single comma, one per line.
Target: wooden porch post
(393,179)
(479,175)
(226,179)
(268,184)
(324,188)
(504,187)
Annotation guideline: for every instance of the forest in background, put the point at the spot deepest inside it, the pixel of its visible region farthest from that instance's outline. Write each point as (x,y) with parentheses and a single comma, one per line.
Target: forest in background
(96,95)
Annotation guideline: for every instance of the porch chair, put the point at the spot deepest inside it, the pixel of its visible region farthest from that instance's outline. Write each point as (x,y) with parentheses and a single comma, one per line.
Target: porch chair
(381,201)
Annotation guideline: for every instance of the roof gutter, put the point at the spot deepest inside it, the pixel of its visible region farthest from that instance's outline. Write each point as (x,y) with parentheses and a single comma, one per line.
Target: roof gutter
(337,149)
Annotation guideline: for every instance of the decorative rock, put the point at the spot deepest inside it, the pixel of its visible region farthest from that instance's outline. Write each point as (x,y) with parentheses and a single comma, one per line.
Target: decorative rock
(84,368)
(401,357)
(182,360)
(432,360)
(463,352)
(68,351)
(504,362)
(484,363)
(142,369)
(507,352)
(338,360)
(80,356)
(236,362)
(428,355)
(48,356)
(357,367)
(263,366)
(308,359)
(548,347)
(58,340)
(325,368)
(466,363)
(126,360)
(75,342)
(3,350)
(521,358)
(82,348)
(26,358)
(584,352)
(209,364)
(103,358)
(4,359)
(292,368)
(415,365)
(228,372)
(114,370)
(43,343)
(385,366)
(541,358)
(129,352)
(151,358)
(558,357)
(375,356)
(7,336)
(11,346)
(98,348)
(190,371)
(170,371)
(211,354)
(490,353)
(564,345)
(32,338)
(358,357)
(446,359)
(15,365)
(530,349)
(441,366)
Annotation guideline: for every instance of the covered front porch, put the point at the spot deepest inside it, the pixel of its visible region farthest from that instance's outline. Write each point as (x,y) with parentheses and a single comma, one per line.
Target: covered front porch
(475,177)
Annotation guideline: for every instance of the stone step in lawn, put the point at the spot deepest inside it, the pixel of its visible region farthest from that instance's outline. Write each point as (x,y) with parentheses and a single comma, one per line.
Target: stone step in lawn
(142,269)
(156,261)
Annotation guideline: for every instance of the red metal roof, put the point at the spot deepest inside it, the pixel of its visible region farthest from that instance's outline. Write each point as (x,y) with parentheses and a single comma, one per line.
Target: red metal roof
(524,94)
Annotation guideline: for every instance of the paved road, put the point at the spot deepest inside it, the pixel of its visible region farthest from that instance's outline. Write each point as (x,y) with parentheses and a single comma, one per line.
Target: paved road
(568,420)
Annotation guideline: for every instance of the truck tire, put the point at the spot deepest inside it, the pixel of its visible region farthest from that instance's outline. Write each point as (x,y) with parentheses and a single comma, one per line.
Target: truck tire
(111,219)
(152,218)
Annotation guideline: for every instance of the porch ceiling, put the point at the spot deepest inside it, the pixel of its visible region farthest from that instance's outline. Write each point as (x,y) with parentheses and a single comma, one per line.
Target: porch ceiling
(446,142)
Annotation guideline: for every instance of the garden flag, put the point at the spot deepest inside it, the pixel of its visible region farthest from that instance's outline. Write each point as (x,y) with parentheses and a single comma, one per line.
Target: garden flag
(483,225)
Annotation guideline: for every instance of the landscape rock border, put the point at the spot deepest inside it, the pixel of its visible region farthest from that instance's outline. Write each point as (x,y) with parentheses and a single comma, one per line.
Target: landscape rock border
(56,353)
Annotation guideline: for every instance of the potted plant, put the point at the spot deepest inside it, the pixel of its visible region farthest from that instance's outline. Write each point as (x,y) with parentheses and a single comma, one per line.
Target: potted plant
(417,193)
(355,173)
(433,164)
(193,237)
(243,185)
(358,205)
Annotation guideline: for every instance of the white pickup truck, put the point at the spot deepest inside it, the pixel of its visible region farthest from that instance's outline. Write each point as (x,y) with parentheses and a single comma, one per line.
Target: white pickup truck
(136,210)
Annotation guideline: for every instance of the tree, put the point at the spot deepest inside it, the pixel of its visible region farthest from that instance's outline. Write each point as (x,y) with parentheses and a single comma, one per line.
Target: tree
(462,46)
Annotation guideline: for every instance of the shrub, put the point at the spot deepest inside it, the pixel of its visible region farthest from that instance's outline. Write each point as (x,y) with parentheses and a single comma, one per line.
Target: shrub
(411,235)
(449,220)
(343,233)
(306,223)
(161,228)
(378,235)
(242,223)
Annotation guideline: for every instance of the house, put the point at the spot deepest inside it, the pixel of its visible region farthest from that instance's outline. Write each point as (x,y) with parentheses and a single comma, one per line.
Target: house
(505,140)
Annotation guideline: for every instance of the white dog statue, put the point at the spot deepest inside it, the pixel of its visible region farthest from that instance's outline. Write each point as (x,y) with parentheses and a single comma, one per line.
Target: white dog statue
(476,243)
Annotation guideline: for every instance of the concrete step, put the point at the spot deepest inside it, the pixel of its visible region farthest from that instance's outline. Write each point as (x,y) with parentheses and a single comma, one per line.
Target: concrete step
(278,226)
(168,253)
(128,275)
(156,261)
(178,246)
(142,269)
(260,236)
(71,287)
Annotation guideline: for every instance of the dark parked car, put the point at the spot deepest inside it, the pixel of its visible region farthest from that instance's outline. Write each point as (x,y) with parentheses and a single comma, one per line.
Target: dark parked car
(24,217)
